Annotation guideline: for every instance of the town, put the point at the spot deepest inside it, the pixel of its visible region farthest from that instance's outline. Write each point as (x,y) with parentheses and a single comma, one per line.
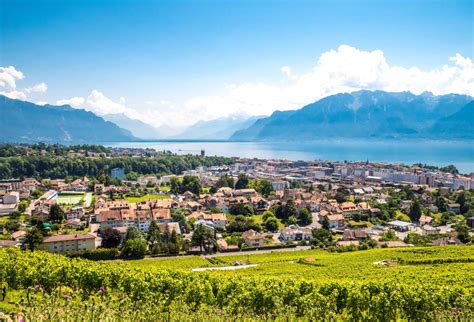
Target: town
(238,205)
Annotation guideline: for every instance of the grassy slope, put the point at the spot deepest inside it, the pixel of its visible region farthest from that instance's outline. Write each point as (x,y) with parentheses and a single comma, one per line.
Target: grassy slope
(353,266)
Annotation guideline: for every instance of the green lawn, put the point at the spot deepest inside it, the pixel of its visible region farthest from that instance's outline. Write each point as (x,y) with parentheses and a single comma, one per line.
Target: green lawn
(147,197)
(70,199)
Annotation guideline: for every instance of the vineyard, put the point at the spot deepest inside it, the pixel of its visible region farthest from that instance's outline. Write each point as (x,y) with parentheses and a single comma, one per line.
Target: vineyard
(380,284)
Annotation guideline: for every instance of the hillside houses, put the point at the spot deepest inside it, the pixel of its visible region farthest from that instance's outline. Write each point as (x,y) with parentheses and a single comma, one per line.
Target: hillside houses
(125,214)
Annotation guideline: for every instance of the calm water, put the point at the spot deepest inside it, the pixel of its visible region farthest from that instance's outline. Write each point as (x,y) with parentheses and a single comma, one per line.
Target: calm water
(439,153)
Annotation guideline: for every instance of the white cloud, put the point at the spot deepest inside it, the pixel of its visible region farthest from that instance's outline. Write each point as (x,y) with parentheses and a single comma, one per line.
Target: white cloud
(9,76)
(344,69)
(38,88)
(286,70)
(100,104)
(42,103)
(14,95)
(73,101)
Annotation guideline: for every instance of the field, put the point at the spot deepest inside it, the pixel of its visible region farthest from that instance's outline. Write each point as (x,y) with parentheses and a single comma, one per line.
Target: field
(70,198)
(322,266)
(417,284)
(147,197)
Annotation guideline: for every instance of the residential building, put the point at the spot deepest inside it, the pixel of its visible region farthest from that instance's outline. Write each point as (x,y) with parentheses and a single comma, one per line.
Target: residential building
(12,197)
(295,233)
(67,244)
(253,238)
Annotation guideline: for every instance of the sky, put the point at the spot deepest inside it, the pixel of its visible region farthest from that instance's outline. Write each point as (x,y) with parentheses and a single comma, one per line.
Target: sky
(176,62)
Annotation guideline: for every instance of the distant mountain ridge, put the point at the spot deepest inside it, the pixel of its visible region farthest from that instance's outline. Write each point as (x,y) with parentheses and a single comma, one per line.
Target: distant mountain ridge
(217,129)
(138,128)
(369,114)
(25,122)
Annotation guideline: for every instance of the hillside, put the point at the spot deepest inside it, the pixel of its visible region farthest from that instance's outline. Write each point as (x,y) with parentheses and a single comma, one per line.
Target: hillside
(416,284)
(364,114)
(138,128)
(27,122)
(459,125)
(218,129)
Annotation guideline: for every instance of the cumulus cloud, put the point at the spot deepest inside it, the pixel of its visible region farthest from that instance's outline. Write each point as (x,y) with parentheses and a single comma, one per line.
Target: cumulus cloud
(73,101)
(100,104)
(344,69)
(38,88)
(9,76)
(8,83)
(19,95)
(286,70)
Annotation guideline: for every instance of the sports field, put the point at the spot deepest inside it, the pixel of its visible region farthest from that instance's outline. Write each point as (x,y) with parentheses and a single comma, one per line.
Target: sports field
(70,198)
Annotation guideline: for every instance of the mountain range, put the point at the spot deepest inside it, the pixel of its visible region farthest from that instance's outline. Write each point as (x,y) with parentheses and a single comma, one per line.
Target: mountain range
(217,129)
(138,128)
(25,122)
(361,114)
(369,114)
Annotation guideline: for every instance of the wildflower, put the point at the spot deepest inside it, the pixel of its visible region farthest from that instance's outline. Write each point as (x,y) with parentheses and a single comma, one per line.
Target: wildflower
(37,286)
(102,288)
(66,296)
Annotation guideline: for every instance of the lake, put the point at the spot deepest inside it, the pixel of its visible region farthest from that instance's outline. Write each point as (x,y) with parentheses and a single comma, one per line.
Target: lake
(438,153)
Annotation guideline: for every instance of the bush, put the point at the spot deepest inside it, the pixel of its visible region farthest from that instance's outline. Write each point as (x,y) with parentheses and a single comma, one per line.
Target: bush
(134,249)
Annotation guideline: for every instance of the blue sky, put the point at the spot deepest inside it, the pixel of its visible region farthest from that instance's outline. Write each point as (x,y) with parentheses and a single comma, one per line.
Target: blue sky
(158,60)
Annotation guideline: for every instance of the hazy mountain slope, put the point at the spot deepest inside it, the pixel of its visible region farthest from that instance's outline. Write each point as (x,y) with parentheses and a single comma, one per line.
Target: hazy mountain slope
(459,125)
(27,122)
(218,129)
(362,114)
(136,127)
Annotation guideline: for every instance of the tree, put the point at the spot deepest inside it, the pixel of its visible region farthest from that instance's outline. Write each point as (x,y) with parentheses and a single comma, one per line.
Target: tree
(340,197)
(450,168)
(242,223)
(32,239)
(325,223)
(134,248)
(191,183)
(175,185)
(463,232)
(179,217)
(415,211)
(242,181)
(321,237)
(225,181)
(292,220)
(132,233)
(305,217)
(153,237)
(111,238)
(289,210)
(271,224)
(22,205)
(461,200)
(441,204)
(56,214)
(266,188)
(204,238)
(267,214)
(241,209)
(389,235)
